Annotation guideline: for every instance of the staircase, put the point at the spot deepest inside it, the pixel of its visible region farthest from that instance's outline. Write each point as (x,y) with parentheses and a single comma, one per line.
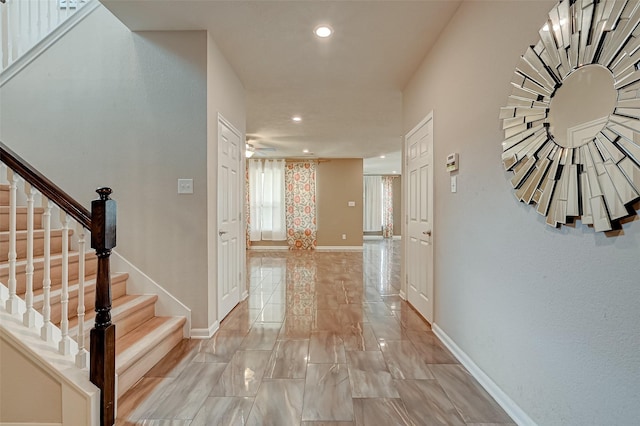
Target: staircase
(142,338)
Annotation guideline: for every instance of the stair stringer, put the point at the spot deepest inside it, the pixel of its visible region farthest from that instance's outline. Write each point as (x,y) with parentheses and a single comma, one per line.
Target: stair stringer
(80,399)
(140,283)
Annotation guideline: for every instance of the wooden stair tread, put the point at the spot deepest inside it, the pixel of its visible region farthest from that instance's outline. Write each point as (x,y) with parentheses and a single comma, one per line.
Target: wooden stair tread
(89,284)
(55,259)
(119,306)
(21,234)
(135,344)
(21,210)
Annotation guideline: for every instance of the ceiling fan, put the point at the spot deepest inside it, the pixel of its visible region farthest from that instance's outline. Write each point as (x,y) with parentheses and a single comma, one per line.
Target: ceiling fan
(251,149)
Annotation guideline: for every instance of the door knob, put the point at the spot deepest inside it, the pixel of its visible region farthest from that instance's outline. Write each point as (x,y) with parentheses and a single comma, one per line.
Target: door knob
(221,233)
(428,233)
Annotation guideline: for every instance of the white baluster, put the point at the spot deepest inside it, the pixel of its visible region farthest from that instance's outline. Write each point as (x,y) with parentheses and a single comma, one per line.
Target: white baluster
(17,44)
(12,302)
(4,46)
(82,358)
(29,25)
(49,16)
(47,327)
(58,17)
(65,342)
(40,36)
(29,317)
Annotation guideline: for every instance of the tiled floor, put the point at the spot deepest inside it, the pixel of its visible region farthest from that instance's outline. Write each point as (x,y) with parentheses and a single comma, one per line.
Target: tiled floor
(323,339)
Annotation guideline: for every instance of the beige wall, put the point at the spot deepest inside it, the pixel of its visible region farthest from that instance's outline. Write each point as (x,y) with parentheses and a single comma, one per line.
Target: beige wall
(25,385)
(225,96)
(550,315)
(338,182)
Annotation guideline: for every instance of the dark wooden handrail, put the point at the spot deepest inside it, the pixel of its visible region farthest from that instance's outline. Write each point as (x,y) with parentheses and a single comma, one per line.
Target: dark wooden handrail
(45,186)
(102,224)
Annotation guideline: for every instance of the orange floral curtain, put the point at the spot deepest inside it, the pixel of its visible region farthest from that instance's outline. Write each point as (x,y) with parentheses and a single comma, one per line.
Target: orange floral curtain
(387,206)
(300,201)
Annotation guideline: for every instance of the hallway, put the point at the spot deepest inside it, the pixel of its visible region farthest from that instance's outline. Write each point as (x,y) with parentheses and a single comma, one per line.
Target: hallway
(323,339)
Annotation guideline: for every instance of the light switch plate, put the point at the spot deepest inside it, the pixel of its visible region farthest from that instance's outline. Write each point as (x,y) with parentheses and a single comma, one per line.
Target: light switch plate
(454,183)
(352,204)
(185,186)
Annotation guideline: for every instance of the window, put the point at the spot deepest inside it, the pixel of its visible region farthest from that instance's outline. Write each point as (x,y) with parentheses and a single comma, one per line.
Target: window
(266,197)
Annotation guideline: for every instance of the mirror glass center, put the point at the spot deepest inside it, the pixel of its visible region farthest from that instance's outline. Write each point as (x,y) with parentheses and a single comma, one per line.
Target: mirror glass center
(580,108)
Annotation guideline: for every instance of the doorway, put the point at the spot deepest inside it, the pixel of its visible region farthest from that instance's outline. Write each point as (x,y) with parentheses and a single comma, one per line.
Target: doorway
(418,259)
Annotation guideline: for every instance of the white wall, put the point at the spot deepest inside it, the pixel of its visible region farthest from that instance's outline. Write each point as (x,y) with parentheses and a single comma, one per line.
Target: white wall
(551,315)
(225,96)
(105,106)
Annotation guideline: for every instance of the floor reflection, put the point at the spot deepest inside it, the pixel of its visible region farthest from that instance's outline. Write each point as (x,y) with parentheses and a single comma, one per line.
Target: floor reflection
(322,337)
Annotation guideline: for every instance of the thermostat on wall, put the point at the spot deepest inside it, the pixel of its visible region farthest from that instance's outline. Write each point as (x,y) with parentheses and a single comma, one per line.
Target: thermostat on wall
(452,162)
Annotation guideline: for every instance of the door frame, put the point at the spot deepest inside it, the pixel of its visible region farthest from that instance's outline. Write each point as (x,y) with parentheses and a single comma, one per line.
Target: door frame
(242,290)
(404,291)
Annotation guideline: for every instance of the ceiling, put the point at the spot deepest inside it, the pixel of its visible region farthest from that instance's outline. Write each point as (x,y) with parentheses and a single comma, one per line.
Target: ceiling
(347,88)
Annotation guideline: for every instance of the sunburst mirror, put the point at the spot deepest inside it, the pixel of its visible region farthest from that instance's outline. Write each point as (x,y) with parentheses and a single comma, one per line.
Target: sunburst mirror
(572,121)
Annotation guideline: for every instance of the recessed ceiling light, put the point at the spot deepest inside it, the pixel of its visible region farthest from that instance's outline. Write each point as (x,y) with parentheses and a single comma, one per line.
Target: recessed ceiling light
(296,118)
(382,156)
(323,31)
(394,172)
(306,151)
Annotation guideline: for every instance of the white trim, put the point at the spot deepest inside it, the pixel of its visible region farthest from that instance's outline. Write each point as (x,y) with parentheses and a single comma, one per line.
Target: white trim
(205,333)
(508,405)
(245,294)
(40,47)
(402,295)
(380,237)
(339,248)
(140,283)
(269,248)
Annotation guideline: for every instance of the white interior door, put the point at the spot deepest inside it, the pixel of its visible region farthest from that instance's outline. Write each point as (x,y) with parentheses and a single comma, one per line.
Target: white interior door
(230,151)
(419,207)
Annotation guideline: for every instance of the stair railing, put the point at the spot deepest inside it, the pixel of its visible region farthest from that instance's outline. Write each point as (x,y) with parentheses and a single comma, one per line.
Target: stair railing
(101,222)
(24,23)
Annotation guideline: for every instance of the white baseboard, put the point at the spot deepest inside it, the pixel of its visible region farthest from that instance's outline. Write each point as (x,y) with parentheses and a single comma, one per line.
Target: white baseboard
(339,248)
(205,333)
(318,248)
(269,248)
(141,283)
(380,237)
(402,295)
(508,405)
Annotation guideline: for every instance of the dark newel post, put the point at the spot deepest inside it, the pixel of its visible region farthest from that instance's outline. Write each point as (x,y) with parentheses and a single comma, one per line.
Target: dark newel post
(103,334)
